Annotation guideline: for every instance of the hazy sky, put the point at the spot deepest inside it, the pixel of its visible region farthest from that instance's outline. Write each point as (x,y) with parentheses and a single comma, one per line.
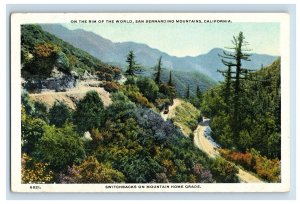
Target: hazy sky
(190,39)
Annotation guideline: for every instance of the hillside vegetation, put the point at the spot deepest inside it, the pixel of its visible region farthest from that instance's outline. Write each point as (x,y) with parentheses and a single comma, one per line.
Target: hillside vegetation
(129,130)
(42,53)
(124,141)
(186,117)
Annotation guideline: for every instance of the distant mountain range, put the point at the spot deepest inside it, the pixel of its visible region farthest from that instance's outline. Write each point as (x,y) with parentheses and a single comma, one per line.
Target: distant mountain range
(115,53)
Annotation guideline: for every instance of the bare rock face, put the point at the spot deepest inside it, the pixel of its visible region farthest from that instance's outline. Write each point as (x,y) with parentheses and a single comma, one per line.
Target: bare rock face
(60,83)
(87,76)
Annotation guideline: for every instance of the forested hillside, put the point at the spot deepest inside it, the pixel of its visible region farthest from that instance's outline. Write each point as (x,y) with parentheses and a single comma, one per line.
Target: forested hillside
(131,138)
(42,54)
(259,117)
(127,141)
(245,114)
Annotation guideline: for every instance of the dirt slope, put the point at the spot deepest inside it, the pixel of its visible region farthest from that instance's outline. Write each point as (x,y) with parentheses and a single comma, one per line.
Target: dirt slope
(72,95)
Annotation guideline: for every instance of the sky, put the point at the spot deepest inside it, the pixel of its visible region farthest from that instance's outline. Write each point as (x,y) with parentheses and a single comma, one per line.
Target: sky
(190,39)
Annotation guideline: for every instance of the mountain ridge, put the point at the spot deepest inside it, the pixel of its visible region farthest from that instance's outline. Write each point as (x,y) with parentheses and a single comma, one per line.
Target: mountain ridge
(115,53)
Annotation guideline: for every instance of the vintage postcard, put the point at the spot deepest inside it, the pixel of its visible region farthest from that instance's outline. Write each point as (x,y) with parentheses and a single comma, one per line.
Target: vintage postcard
(150,102)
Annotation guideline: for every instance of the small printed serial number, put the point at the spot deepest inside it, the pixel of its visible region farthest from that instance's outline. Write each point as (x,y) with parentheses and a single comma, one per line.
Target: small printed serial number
(35,187)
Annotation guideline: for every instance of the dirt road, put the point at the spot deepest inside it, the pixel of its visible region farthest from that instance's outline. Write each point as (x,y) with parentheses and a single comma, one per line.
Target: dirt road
(70,96)
(171,113)
(204,144)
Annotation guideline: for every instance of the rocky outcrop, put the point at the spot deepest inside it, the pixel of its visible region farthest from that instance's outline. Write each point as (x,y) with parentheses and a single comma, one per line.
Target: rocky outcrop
(61,83)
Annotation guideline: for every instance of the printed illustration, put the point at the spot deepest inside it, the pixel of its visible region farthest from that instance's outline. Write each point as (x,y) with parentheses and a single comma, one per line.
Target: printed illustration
(150,102)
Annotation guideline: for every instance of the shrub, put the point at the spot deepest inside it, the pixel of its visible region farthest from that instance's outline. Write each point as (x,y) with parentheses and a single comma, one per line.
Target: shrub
(62,62)
(268,169)
(91,171)
(168,91)
(89,113)
(148,87)
(244,159)
(121,108)
(224,171)
(44,60)
(186,117)
(201,174)
(111,86)
(32,132)
(40,111)
(59,147)
(59,113)
(117,72)
(136,96)
(35,172)
(161,104)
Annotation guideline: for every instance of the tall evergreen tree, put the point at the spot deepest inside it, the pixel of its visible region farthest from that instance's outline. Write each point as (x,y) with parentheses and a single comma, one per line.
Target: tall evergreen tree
(187,94)
(133,67)
(226,90)
(170,82)
(198,92)
(158,71)
(235,60)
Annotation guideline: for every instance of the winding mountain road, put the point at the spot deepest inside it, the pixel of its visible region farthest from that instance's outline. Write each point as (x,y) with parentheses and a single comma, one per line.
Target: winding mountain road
(207,146)
(71,95)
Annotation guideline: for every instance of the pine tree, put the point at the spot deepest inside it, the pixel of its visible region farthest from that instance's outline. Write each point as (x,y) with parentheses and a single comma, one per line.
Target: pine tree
(133,68)
(170,83)
(226,90)
(235,60)
(158,71)
(187,94)
(198,92)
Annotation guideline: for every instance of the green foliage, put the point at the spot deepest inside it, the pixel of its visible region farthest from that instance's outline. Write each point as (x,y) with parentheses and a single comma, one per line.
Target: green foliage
(62,62)
(134,94)
(121,108)
(146,149)
(91,171)
(89,113)
(187,93)
(42,51)
(224,171)
(186,117)
(133,67)
(167,91)
(170,81)
(59,113)
(148,87)
(59,147)
(161,104)
(32,131)
(196,101)
(180,79)
(259,125)
(158,70)
(35,172)
(26,102)
(40,110)
(130,141)
(45,56)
